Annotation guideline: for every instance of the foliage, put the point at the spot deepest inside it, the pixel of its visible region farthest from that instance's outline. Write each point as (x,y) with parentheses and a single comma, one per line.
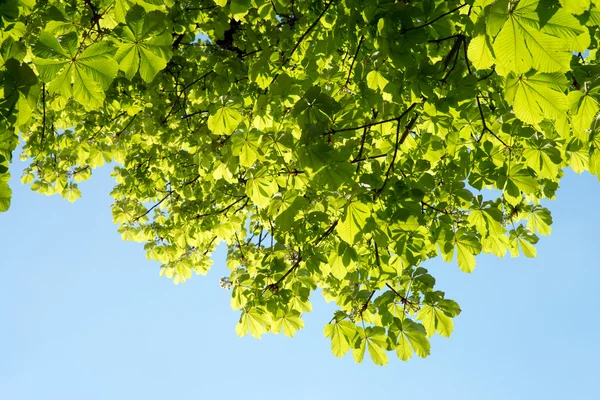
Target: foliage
(331,145)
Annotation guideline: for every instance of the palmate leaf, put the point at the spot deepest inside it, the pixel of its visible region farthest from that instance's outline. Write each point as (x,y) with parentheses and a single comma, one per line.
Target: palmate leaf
(375,80)
(121,7)
(481,52)
(436,314)
(434,320)
(522,238)
(146,44)
(224,120)
(254,321)
(340,261)
(374,340)
(342,334)
(543,158)
(537,97)
(353,221)
(261,190)
(411,337)
(576,6)
(467,246)
(583,109)
(496,244)
(70,73)
(539,220)
(522,43)
(21,90)
(5,196)
(289,322)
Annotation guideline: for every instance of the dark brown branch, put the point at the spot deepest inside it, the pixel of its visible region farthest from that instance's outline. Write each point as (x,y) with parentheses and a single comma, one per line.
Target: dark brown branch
(464,39)
(275,286)
(43,113)
(403,299)
(310,28)
(239,246)
(332,131)
(358,160)
(443,39)
(209,245)
(194,113)
(575,83)
(80,170)
(117,135)
(185,88)
(362,38)
(366,304)
(153,207)
(435,208)
(403,31)
(454,52)
(488,75)
(192,181)
(221,211)
(399,142)
(485,127)
(327,232)
(362,147)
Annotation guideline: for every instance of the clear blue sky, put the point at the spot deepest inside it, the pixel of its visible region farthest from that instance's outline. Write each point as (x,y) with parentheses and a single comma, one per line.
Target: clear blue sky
(84,316)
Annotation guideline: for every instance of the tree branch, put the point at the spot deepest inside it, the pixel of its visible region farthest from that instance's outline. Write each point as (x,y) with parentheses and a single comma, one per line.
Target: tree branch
(221,211)
(153,207)
(403,299)
(399,117)
(485,127)
(164,121)
(43,113)
(403,31)
(362,38)
(399,142)
(310,28)
(435,208)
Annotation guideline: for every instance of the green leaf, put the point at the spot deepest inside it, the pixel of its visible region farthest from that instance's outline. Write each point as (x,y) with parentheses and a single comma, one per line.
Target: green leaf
(84,76)
(575,6)
(268,127)
(288,322)
(411,337)
(523,238)
(375,80)
(521,45)
(467,246)
(224,120)
(254,321)
(377,345)
(5,196)
(434,320)
(539,220)
(353,221)
(480,52)
(342,334)
(537,97)
(261,190)
(146,44)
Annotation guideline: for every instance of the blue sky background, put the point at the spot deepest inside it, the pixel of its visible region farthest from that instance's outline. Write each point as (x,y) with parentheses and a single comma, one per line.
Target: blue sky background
(83,315)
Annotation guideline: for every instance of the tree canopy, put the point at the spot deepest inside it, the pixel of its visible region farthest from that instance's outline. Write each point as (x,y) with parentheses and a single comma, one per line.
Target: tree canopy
(331,145)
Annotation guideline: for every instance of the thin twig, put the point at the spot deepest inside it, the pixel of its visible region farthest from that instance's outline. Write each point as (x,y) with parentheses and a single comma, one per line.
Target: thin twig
(362,38)
(153,207)
(310,28)
(44,113)
(399,142)
(403,31)
(332,131)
